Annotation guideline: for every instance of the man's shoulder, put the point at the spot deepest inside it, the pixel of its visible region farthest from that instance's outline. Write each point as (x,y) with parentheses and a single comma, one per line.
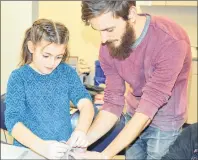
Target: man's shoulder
(163,23)
(168,27)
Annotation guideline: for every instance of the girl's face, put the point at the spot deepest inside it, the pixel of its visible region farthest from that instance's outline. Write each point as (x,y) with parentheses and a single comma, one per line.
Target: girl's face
(46,57)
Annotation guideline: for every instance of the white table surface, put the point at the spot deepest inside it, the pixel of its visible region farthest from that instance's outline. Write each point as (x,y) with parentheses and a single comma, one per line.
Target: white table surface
(14,152)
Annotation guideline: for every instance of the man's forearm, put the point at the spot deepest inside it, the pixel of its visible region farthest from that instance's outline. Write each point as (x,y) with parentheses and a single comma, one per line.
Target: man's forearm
(103,122)
(129,133)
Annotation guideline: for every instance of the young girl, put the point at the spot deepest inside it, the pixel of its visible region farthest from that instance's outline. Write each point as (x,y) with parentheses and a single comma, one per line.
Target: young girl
(39,93)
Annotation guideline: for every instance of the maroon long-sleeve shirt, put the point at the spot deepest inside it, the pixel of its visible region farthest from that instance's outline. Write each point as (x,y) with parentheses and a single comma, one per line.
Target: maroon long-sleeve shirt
(157,71)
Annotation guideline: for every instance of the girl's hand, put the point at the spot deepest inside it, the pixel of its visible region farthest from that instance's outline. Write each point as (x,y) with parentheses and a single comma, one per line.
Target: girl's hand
(78,139)
(53,149)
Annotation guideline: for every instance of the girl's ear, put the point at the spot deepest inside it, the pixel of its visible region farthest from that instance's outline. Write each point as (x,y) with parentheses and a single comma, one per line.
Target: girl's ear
(31,46)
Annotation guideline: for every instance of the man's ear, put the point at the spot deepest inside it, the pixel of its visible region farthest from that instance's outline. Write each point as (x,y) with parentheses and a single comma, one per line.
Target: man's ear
(31,46)
(132,14)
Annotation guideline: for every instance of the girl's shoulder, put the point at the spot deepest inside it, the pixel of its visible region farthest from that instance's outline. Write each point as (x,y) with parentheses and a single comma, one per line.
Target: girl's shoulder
(18,74)
(19,71)
(66,67)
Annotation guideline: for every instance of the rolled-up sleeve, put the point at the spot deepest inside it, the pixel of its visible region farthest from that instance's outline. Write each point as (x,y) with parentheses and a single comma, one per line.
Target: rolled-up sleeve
(159,86)
(77,91)
(115,85)
(15,101)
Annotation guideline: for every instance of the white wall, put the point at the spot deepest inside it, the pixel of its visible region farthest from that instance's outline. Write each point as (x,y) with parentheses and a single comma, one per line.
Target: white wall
(16,17)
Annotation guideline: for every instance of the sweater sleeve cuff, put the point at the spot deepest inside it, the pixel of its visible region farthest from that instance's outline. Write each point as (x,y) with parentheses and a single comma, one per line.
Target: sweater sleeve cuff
(147,108)
(10,125)
(115,109)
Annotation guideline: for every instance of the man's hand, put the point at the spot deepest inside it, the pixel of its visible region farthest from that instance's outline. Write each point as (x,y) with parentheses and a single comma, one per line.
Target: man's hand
(89,155)
(78,139)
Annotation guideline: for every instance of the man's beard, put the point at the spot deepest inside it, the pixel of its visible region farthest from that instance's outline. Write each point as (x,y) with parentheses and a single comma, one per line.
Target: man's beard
(125,48)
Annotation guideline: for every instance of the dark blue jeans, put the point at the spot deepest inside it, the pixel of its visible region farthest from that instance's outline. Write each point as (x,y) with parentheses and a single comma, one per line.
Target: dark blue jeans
(185,146)
(153,143)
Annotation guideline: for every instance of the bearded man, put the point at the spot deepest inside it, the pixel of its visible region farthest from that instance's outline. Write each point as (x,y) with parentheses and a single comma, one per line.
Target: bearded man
(152,54)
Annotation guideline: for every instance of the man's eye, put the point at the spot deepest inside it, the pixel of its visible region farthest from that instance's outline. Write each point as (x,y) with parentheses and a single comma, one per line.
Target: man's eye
(45,56)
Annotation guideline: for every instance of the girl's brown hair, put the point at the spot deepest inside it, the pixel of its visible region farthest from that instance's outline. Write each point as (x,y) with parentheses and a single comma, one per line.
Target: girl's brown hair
(44,29)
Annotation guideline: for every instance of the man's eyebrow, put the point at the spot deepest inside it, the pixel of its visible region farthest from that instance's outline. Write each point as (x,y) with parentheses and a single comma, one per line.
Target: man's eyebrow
(104,29)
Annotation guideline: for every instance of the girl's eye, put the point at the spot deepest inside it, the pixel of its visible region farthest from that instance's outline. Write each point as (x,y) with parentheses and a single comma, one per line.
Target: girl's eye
(59,57)
(110,30)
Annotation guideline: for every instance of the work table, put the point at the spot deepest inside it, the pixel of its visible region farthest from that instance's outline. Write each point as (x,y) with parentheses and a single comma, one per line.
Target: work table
(13,152)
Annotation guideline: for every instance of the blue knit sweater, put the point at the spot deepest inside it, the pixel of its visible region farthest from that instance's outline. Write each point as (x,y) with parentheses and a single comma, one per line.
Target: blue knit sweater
(42,102)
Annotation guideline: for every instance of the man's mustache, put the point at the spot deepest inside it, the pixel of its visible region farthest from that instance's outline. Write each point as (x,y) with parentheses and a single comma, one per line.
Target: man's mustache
(109,42)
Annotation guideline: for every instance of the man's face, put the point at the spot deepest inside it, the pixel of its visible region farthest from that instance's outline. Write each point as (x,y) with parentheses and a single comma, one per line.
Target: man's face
(116,33)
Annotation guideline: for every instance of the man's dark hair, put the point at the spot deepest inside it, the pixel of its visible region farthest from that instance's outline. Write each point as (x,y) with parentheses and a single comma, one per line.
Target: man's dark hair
(94,8)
